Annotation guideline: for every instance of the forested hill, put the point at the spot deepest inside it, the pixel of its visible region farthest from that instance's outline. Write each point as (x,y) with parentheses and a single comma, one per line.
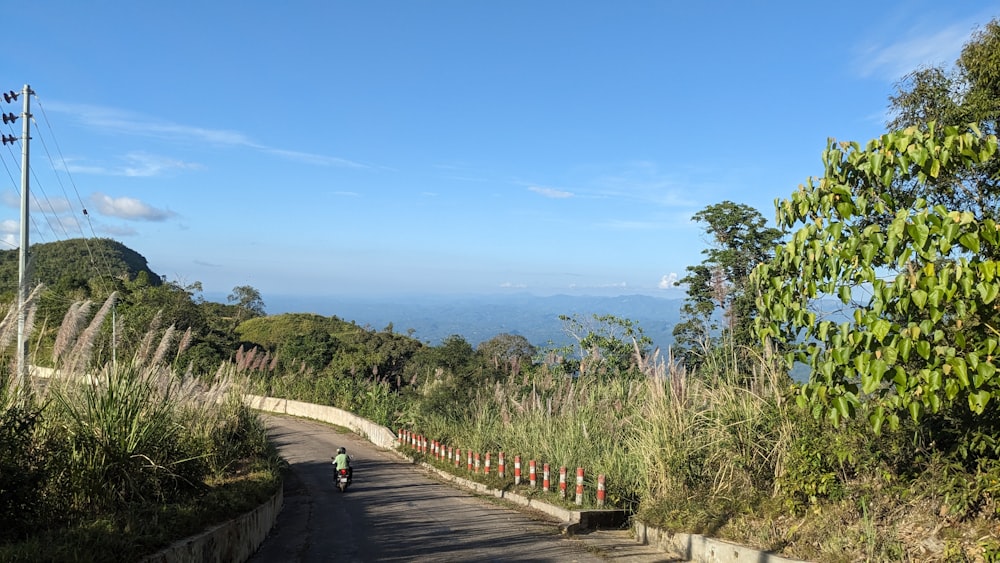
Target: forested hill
(74,262)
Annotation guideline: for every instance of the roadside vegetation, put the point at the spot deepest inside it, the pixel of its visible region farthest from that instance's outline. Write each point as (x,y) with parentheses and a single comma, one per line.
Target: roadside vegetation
(878,287)
(112,461)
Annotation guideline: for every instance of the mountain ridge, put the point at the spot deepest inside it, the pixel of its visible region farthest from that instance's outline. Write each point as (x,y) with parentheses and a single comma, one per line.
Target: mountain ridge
(478,318)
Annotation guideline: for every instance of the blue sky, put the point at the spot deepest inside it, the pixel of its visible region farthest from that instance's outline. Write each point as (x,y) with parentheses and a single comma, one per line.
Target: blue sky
(392,148)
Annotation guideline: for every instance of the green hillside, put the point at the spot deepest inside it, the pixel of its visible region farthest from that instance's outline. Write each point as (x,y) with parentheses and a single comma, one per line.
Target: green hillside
(73,263)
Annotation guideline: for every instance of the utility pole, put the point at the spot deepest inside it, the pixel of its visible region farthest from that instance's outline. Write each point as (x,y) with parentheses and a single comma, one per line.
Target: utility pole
(21,378)
(22,262)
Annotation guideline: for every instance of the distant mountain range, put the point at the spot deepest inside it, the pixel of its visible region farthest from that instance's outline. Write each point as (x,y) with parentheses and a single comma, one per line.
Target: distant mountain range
(480,318)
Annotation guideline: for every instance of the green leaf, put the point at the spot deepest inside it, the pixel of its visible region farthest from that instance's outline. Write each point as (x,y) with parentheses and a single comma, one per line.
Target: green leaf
(845,294)
(876,419)
(915,409)
(904,346)
(924,349)
(881,329)
(879,367)
(918,232)
(960,370)
(919,298)
(970,241)
(987,291)
(842,406)
(984,371)
(977,401)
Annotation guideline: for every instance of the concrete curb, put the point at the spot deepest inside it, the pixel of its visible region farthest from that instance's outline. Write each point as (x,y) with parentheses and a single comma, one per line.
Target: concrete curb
(235,540)
(695,547)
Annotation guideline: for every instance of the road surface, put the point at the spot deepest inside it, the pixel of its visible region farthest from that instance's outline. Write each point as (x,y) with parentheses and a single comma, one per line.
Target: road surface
(396,511)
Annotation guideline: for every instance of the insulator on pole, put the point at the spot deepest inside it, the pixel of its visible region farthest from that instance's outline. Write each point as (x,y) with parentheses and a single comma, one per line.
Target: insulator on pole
(8,139)
(10,96)
(10,118)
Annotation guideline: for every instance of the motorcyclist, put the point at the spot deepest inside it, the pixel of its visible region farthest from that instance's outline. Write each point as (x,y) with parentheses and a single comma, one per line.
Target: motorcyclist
(343,461)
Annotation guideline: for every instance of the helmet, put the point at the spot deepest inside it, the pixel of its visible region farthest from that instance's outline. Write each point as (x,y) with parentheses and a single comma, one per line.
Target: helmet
(341,451)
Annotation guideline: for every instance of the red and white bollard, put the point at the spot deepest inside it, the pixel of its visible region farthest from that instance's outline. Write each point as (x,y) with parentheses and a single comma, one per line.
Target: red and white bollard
(458,457)
(517,470)
(532,476)
(579,485)
(545,477)
(562,482)
(451,453)
(486,468)
(501,467)
(434,449)
(469,463)
(476,470)
(601,492)
(399,437)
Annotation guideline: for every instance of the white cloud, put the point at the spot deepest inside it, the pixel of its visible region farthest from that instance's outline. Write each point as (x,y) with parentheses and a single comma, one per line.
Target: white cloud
(512,285)
(128,208)
(918,49)
(551,192)
(668,281)
(9,226)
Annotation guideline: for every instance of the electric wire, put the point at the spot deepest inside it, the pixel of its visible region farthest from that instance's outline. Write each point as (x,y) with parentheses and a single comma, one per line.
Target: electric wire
(65,167)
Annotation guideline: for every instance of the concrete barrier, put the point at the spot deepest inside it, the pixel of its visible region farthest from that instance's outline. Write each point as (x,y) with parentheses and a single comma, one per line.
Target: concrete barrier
(375,433)
(233,541)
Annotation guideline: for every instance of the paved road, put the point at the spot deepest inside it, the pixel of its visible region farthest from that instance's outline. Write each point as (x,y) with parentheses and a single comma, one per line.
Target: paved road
(395,511)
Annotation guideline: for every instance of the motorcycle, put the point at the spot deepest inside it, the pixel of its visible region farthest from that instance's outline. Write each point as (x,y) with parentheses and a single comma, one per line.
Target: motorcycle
(343,479)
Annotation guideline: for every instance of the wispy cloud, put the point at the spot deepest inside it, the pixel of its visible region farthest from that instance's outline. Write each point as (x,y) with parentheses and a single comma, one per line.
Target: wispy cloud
(918,48)
(643,180)
(117,230)
(130,123)
(128,208)
(629,225)
(136,164)
(551,192)
(141,164)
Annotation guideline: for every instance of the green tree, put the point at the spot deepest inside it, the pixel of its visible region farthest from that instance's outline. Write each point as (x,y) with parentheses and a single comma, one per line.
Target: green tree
(967,93)
(314,349)
(717,288)
(606,344)
(506,353)
(922,332)
(248,302)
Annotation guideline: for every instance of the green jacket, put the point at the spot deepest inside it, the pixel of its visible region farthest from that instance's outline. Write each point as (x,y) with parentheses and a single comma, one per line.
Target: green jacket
(342,461)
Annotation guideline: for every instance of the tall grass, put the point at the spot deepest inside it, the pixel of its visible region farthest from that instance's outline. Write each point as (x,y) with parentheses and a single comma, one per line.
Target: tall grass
(711,444)
(111,461)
